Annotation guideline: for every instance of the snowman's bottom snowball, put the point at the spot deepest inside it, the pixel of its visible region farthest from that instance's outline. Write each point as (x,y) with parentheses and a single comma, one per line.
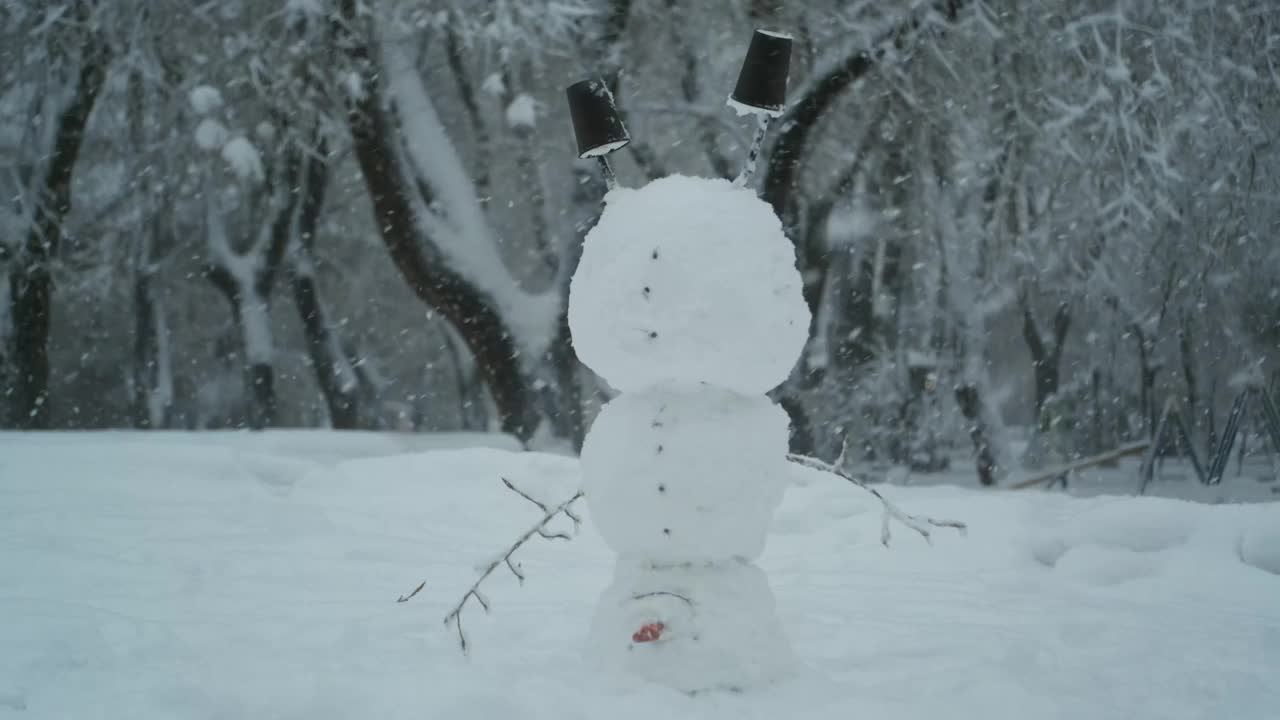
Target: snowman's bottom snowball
(719,628)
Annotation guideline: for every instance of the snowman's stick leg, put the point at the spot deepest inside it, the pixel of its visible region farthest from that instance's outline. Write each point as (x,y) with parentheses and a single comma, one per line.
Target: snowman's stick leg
(610,180)
(753,153)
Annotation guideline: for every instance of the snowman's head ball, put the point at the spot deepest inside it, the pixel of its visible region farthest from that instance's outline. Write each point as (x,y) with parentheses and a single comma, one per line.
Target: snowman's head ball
(688,280)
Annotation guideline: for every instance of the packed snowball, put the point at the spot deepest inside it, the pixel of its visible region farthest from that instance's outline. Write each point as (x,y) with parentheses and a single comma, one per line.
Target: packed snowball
(686,474)
(685,280)
(713,628)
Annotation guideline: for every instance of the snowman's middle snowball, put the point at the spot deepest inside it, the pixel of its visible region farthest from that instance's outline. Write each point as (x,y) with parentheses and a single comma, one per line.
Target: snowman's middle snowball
(686,473)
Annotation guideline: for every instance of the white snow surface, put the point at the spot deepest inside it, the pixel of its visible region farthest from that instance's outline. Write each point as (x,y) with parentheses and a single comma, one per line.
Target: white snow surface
(720,629)
(230,575)
(688,280)
(255,320)
(494,85)
(204,99)
(522,111)
(686,474)
(243,157)
(211,134)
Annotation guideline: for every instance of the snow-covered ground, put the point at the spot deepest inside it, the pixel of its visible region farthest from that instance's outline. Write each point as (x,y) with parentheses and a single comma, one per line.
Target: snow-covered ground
(255,576)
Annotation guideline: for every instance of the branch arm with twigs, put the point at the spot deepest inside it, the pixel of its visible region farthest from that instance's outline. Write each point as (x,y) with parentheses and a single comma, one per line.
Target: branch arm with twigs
(550,512)
(920,523)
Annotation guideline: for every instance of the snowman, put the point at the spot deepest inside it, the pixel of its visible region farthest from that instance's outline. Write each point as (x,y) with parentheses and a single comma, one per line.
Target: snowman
(688,302)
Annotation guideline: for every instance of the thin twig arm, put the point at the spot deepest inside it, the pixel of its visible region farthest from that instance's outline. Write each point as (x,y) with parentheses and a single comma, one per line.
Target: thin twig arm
(549,513)
(920,523)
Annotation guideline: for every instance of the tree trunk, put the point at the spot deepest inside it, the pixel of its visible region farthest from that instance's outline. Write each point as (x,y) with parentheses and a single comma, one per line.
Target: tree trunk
(30,280)
(787,153)
(1046,361)
(247,279)
(857,347)
(461,303)
(249,296)
(570,420)
(471,312)
(152,368)
(970,403)
(801,440)
(151,382)
(252,313)
(339,384)
(780,184)
(1187,355)
(1147,377)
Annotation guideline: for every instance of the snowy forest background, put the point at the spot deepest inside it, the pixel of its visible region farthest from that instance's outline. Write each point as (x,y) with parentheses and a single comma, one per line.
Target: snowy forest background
(364,213)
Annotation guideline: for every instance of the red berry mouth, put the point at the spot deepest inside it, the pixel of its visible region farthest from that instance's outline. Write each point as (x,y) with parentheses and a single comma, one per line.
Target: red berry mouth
(649,632)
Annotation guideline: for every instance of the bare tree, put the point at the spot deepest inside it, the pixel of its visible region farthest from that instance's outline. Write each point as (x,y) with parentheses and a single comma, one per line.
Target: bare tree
(76,54)
(347,393)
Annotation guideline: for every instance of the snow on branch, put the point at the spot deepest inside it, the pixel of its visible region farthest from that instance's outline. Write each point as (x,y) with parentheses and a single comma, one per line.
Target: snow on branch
(549,513)
(453,215)
(238,268)
(920,523)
